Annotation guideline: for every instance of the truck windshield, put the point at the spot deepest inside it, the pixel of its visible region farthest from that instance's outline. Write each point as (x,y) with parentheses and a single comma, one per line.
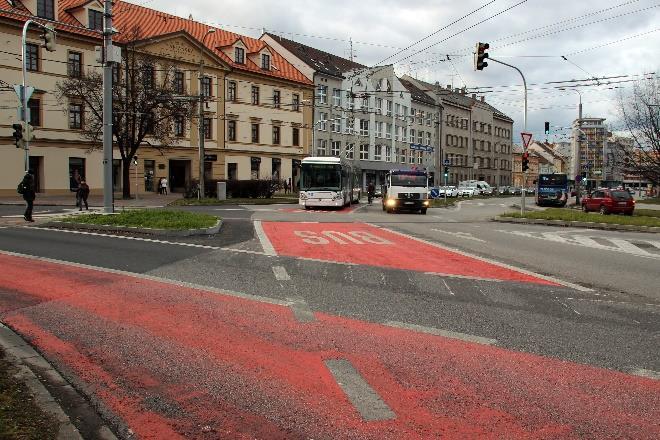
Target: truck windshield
(320,177)
(409,180)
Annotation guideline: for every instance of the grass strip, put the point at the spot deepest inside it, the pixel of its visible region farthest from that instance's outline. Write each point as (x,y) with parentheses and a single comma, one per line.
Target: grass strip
(151,218)
(639,219)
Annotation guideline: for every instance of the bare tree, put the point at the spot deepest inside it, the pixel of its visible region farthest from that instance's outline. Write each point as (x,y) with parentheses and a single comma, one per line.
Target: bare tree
(146,104)
(640,113)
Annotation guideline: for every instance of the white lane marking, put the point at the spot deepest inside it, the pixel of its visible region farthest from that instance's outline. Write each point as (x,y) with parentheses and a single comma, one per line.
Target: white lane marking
(225,292)
(488,260)
(248,207)
(627,246)
(464,277)
(567,307)
(650,374)
(263,238)
(280,273)
(443,333)
(607,301)
(465,235)
(301,310)
(229,209)
(361,395)
(448,288)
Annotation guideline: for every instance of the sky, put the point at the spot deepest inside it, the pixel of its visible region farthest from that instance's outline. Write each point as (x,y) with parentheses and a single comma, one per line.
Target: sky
(532,35)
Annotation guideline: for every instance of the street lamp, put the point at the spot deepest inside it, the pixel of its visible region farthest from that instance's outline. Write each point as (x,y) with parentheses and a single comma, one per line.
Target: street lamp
(201,192)
(580,105)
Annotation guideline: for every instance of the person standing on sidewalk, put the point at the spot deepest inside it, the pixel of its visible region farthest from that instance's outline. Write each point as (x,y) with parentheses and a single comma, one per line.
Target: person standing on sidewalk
(163,186)
(27,190)
(83,193)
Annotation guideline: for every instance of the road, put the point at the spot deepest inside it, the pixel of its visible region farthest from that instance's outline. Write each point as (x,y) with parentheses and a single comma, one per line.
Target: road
(351,324)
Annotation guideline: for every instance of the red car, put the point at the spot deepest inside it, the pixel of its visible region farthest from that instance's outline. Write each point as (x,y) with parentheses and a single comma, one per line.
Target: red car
(608,201)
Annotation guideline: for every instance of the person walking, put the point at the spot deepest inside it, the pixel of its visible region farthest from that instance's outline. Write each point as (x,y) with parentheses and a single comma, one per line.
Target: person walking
(82,194)
(160,187)
(27,190)
(371,192)
(163,186)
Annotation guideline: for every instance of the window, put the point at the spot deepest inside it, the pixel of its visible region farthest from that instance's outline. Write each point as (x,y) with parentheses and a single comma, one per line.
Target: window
(276,135)
(295,101)
(232,91)
(350,125)
(322,94)
(364,127)
(46,9)
(277,98)
(74,64)
(34,109)
(265,61)
(239,55)
(206,87)
(336,97)
(232,171)
(255,163)
(419,157)
(335,148)
(420,117)
(32,58)
(321,149)
(365,103)
(388,153)
(378,152)
(364,152)
(428,138)
(404,114)
(179,83)
(296,137)
(397,132)
(75,116)
(208,133)
(335,125)
(404,154)
(379,129)
(379,105)
(388,131)
(231,131)
(255,95)
(404,134)
(397,108)
(412,135)
(411,158)
(420,137)
(179,126)
(95,20)
(389,108)
(323,121)
(350,150)
(255,133)
(428,119)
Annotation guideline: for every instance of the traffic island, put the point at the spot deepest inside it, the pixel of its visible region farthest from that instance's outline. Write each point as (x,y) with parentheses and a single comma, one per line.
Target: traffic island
(642,221)
(152,222)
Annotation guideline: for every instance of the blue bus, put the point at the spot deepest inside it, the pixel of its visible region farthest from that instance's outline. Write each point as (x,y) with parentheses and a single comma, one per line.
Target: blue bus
(552,190)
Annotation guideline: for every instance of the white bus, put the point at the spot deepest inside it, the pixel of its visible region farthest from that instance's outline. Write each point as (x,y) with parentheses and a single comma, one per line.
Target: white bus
(329,182)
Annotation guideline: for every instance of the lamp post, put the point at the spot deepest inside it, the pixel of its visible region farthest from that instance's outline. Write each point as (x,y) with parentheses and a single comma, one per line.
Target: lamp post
(200,193)
(579,122)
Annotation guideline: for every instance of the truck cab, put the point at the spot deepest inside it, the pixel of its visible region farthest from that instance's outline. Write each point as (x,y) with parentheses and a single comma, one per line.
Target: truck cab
(406,190)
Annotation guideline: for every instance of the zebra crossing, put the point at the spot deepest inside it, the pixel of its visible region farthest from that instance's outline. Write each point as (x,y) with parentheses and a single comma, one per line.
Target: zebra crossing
(633,246)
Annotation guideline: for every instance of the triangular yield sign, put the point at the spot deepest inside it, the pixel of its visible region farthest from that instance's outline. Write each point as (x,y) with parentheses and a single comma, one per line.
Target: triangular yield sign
(526,138)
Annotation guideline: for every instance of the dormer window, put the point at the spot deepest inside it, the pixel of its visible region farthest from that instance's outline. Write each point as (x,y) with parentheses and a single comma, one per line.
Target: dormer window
(95,20)
(265,61)
(239,55)
(46,9)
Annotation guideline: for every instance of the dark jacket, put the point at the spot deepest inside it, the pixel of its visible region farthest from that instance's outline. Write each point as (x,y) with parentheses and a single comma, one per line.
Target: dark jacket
(83,191)
(29,193)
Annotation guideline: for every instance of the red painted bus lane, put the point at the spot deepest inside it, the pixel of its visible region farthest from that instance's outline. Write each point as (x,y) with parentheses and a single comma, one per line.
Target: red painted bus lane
(173,361)
(360,243)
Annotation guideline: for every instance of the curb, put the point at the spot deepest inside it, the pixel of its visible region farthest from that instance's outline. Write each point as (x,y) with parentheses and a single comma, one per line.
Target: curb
(577,224)
(160,232)
(29,364)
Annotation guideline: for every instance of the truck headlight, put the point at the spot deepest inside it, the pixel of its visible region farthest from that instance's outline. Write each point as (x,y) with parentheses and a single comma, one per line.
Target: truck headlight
(391,202)
(426,203)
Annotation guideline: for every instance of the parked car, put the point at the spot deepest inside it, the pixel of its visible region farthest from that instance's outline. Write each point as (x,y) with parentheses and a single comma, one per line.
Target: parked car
(516,191)
(467,191)
(450,190)
(485,188)
(530,190)
(504,190)
(608,201)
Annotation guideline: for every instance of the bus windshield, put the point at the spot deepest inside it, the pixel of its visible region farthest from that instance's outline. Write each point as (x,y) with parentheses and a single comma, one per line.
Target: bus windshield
(320,177)
(553,180)
(409,180)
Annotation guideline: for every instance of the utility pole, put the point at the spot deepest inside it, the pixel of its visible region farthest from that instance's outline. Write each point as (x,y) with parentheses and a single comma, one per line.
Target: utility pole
(108,202)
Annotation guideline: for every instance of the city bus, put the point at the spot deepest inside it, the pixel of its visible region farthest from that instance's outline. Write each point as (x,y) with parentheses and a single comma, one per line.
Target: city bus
(329,182)
(552,189)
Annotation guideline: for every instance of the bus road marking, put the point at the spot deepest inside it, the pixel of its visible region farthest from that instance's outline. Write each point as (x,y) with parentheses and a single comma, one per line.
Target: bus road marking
(444,333)
(263,239)
(280,273)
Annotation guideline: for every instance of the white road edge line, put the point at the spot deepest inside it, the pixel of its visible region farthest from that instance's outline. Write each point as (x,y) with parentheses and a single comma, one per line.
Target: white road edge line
(650,374)
(263,239)
(464,277)
(231,293)
(444,333)
(448,288)
(488,260)
(280,273)
(301,310)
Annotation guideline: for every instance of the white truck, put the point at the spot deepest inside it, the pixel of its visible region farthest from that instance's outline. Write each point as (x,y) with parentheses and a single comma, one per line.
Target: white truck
(406,190)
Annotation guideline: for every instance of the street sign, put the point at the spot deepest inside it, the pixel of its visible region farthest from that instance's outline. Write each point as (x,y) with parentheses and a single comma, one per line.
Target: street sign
(29,90)
(446,162)
(420,147)
(526,138)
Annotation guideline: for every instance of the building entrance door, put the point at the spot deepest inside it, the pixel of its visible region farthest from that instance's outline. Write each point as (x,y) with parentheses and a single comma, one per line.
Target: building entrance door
(35,165)
(179,175)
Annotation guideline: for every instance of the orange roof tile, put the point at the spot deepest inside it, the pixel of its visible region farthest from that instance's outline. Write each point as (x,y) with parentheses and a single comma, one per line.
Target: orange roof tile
(65,23)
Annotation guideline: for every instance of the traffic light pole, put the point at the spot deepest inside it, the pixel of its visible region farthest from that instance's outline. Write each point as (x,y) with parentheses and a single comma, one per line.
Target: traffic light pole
(522,202)
(108,203)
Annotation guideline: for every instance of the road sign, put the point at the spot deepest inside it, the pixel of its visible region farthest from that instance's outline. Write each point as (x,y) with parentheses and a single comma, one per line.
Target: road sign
(420,147)
(29,90)
(435,193)
(446,162)
(526,138)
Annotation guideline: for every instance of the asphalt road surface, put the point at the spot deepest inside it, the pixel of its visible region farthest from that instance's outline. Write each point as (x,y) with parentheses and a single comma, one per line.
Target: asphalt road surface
(350,324)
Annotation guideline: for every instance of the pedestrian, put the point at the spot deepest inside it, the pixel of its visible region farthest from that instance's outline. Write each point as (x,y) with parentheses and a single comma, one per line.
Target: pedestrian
(83,193)
(27,190)
(163,186)
(159,187)
(290,185)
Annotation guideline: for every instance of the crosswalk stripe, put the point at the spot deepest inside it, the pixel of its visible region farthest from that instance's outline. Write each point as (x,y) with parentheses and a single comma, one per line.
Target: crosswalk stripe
(628,246)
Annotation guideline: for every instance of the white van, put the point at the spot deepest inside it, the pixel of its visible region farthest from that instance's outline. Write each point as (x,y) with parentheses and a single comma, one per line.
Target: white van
(485,188)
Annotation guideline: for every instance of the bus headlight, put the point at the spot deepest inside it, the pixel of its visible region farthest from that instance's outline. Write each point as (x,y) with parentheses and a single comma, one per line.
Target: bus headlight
(391,202)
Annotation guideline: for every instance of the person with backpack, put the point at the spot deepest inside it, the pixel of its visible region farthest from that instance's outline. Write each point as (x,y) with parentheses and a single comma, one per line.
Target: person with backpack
(27,190)
(82,194)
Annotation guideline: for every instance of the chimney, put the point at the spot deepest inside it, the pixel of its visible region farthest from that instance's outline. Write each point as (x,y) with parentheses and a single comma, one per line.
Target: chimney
(474,96)
(448,86)
(483,98)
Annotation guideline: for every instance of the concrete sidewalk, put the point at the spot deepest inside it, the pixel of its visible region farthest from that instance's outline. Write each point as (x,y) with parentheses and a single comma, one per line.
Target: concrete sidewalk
(150,200)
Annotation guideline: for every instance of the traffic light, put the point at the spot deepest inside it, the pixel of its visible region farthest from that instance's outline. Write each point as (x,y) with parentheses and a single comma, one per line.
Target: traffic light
(480,56)
(446,172)
(49,37)
(525,161)
(18,135)
(547,128)
(135,160)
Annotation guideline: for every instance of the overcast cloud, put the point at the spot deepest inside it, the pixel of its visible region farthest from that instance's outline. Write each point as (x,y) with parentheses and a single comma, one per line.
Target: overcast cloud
(398,23)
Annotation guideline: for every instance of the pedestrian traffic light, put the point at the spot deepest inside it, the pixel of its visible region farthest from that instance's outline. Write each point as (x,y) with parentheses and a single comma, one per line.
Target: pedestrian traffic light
(49,37)
(525,161)
(547,128)
(18,135)
(480,56)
